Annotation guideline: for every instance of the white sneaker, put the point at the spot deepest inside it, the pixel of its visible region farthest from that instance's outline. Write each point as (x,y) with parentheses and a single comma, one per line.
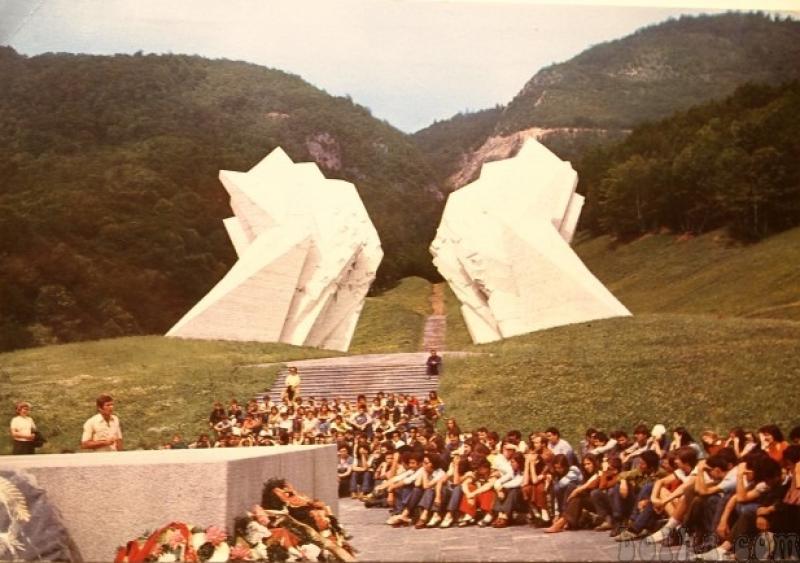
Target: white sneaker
(447,521)
(435,520)
(545,515)
(716,554)
(393,519)
(658,536)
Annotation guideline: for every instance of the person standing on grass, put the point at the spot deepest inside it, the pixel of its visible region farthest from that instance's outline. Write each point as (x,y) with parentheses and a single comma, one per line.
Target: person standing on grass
(102,432)
(434,364)
(22,430)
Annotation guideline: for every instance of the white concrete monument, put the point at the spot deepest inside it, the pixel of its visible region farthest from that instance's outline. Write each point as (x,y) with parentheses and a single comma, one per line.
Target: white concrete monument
(503,246)
(307,256)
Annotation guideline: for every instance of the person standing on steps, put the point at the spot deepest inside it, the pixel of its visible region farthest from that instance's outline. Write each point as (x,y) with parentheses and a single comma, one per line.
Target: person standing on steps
(434,364)
(292,384)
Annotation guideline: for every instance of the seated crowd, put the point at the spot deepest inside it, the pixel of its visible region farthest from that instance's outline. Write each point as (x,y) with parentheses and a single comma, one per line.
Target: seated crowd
(398,452)
(307,421)
(718,495)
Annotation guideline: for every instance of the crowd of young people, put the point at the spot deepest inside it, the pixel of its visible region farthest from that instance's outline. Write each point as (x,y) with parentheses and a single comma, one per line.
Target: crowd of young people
(716,496)
(306,420)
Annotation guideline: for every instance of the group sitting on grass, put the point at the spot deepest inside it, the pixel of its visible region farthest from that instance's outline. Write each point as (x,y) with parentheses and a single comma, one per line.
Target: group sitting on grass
(716,496)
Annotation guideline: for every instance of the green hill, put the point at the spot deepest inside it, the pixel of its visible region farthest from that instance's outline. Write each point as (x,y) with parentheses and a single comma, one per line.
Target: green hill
(698,371)
(657,71)
(445,142)
(731,163)
(160,385)
(110,206)
(718,320)
(708,275)
(596,97)
(715,319)
(393,321)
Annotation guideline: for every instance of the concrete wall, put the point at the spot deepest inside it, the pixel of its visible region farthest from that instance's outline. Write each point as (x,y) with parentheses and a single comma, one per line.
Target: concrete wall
(109,498)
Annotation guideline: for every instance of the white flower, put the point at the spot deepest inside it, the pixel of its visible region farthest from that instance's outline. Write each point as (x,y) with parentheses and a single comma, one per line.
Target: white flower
(198,539)
(221,553)
(256,532)
(259,552)
(310,551)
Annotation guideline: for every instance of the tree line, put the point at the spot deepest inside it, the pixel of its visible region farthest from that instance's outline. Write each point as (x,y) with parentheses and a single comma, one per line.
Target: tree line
(731,164)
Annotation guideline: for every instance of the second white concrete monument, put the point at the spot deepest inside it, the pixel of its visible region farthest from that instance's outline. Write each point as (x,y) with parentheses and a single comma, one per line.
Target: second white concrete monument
(307,256)
(503,246)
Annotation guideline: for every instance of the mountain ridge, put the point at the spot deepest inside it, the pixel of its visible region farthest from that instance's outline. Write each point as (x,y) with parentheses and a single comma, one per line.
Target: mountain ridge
(112,212)
(607,89)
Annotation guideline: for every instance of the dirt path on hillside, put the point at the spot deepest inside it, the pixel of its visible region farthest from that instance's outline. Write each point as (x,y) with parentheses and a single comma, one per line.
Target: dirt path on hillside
(437,299)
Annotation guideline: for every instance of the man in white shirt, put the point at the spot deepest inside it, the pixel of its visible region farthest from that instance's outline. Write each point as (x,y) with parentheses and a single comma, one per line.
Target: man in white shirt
(558,445)
(292,384)
(102,432)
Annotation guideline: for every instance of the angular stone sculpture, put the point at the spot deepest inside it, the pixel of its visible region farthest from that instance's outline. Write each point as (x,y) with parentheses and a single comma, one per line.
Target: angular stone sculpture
(307,256)
(503,246)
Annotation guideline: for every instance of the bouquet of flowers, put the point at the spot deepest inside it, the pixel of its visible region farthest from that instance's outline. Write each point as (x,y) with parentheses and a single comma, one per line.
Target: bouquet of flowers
(300,530)
(177,541)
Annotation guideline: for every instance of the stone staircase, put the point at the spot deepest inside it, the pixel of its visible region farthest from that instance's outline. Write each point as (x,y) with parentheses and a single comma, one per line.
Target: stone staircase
(347,377)
(433,336)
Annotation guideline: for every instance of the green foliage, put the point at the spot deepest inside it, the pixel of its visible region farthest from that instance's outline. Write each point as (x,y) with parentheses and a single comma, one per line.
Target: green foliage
(617,373)
(110,207)
(457,336)
(658,70)
(394,321)
(732,163)
(708,275)
(160,385)
(595,98)
(443,142)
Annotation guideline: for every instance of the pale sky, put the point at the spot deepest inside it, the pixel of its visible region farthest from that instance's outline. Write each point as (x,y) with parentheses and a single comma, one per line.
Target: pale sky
(410,61)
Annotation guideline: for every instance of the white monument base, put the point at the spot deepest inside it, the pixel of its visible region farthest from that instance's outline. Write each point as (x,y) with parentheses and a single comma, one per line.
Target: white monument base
(107,499)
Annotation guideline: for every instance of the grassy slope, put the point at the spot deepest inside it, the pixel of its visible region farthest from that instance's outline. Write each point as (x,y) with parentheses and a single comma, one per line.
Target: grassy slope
(691,299)
(695,370)
(660,273)
(393,322)
(161,385)
(457,336)
(690,333)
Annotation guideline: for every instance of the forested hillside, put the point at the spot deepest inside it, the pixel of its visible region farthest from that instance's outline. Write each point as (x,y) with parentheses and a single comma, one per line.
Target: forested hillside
(658,70)
(110,206)
(446,142)
(596,97)
(733,164)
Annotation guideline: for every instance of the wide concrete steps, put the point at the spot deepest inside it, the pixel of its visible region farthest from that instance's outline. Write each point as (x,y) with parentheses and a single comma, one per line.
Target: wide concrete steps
(346,380)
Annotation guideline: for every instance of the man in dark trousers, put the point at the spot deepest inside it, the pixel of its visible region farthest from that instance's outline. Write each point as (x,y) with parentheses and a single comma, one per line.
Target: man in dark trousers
(434,364)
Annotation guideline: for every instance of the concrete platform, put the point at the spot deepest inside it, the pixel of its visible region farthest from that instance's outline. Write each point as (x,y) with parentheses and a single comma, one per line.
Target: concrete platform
(375,541)
(108,498)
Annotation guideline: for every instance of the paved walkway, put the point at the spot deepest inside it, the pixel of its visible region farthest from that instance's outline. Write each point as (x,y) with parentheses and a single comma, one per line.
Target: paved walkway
(375,541)
(435,331)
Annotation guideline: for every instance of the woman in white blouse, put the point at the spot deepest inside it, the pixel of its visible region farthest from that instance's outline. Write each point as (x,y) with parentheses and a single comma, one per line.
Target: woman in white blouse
(22,430)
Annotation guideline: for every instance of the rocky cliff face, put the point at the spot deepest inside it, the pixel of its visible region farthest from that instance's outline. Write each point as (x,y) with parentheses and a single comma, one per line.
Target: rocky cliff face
(498,147)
